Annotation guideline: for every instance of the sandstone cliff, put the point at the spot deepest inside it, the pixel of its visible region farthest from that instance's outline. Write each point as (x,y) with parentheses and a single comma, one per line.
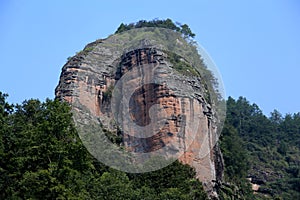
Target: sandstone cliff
(153,75)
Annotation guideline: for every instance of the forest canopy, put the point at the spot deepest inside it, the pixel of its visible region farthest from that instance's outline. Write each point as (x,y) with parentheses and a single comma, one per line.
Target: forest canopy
(42,157)
(184,29)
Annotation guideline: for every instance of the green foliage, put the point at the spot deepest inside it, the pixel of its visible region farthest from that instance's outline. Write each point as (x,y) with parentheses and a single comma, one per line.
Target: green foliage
(178,182)
(235,190)
(42,157)
(5,108)
(282,149)
(181,65)
(236,161)
(108,93)
(186,31)
(234,154)
(272,149)
(85,51)
(115,138)
(168,23)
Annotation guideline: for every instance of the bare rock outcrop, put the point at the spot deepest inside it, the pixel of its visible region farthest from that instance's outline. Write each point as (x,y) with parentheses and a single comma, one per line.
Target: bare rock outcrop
(89,78)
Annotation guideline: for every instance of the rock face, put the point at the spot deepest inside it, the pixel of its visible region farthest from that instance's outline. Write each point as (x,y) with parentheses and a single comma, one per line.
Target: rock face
(88,79)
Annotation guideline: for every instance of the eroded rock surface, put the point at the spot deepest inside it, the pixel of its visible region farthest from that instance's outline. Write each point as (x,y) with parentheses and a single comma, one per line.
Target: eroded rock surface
(88,79)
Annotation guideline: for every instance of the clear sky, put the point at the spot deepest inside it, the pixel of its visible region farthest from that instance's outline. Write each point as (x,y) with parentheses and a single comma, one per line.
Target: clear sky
(254,43)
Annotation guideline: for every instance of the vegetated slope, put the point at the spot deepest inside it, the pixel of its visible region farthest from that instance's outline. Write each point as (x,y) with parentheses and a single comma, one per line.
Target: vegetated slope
(266,150)
(42,157)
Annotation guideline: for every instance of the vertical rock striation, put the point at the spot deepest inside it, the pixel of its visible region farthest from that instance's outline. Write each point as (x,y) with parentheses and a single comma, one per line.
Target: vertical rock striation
(88,79)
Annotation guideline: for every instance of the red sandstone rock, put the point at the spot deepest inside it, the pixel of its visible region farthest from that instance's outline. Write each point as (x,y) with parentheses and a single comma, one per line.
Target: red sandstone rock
(87,80)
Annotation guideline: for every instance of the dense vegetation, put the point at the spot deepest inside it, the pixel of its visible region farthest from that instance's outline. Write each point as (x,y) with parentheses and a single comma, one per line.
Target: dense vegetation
(42,157)
(168,23)
(266,149)
(182,66)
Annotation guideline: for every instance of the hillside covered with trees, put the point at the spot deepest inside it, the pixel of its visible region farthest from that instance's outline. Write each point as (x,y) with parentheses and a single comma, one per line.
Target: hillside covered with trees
(264,149)
(42,157)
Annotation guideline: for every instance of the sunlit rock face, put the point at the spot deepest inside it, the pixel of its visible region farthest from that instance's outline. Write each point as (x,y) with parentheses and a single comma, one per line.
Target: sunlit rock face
(171,105)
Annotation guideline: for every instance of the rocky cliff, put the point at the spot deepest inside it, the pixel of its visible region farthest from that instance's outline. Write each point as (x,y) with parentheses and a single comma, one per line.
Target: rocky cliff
(133,78)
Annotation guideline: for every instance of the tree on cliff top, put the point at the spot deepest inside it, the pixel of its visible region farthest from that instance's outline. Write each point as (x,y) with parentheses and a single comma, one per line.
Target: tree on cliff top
(168,23)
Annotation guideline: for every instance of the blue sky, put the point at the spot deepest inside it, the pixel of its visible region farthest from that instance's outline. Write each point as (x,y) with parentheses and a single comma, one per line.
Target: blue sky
(255,44)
